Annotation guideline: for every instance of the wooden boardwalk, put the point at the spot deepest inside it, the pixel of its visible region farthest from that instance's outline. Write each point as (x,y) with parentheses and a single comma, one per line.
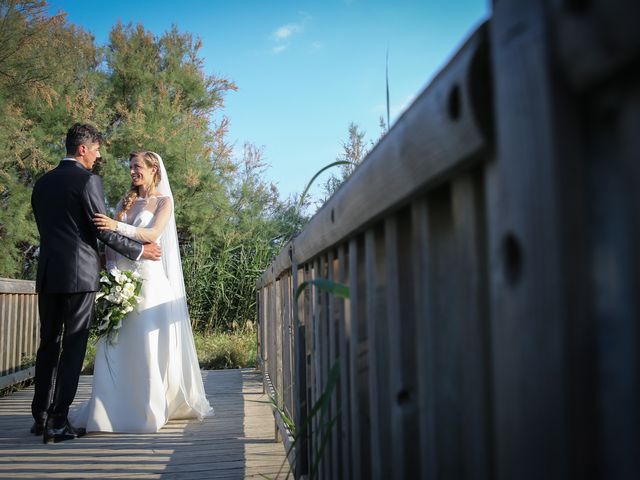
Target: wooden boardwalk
(238,442)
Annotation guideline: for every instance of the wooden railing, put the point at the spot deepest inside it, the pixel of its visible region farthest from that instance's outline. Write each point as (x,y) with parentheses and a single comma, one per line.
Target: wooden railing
(490,246)
(19,330)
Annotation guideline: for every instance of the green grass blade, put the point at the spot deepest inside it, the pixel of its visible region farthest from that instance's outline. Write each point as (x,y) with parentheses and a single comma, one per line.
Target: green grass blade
(387,82)
(304,193)
(337,289)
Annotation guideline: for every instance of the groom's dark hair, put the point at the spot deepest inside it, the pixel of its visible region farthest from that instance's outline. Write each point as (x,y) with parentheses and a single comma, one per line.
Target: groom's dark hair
(82,134)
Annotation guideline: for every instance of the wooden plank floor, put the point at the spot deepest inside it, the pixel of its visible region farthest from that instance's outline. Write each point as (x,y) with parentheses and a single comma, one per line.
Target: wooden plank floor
(238,442)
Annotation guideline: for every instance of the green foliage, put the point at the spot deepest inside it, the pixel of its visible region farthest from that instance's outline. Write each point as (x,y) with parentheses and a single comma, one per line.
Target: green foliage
(354,150)
(162,101)
(319,414)
(220,281)
(227,350)
(37,96)
(145,92)
(221,272)
(90,355)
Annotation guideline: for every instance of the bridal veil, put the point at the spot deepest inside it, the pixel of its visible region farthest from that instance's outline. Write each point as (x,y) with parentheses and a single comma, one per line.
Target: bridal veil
(183,355)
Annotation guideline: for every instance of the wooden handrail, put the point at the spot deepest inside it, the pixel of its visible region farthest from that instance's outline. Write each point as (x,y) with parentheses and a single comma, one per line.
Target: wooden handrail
(488,243)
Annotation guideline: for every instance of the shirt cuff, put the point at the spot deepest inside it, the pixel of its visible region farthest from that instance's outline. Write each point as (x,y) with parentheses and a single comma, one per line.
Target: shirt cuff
(140,255)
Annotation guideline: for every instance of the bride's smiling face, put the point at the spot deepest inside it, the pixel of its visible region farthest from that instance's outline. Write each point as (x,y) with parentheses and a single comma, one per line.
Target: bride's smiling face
(141,174)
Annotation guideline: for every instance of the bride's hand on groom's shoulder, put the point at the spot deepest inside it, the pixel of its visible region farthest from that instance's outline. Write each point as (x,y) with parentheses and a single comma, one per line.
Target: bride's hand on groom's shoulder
(151,251)
(102,222)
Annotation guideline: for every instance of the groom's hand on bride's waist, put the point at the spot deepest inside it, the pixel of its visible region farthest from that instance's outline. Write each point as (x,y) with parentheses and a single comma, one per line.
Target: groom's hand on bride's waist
(151,251)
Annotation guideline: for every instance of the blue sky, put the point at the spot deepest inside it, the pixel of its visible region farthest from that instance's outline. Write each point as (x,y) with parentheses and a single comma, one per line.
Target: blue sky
(304,69)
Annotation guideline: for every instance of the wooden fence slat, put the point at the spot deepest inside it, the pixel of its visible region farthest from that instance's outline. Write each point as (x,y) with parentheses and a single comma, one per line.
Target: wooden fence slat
(312,361)
(17,357)
(279,344)
(24,302)
(425,339)
(265,329)
(287,329)
(446,321)
(332,301)
(395,324)
(29,321)
(472,315)
(378,353)
(3,332)
(22,325)
(36,329)
(8,335)
(401,336)
(357,403)
(11,334)
(527,305)
(326,364)
(259,321)
(263,326)
(344,331)
(309,358)
(615,388)
(321,349)
(272,334)
(300,372)
(372,319)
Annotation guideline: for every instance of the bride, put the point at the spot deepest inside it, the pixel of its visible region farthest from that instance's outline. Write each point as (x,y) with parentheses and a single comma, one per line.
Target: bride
(151,375)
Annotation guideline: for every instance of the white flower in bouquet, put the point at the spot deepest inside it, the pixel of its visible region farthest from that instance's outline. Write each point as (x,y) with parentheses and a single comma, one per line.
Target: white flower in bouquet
(119,294)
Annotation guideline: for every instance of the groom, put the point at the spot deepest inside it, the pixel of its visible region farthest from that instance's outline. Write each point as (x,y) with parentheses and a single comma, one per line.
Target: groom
(64,202)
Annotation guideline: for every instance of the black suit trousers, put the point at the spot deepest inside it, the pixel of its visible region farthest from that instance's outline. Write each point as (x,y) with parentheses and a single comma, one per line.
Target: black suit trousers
(65,319)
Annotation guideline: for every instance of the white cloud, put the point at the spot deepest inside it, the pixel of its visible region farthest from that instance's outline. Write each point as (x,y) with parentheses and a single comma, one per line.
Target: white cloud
(286,31)
(316,45)
(279,48)
(282,37)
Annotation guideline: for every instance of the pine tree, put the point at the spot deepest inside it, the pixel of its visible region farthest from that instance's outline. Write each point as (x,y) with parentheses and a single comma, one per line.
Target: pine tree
(38,100)
(162,101)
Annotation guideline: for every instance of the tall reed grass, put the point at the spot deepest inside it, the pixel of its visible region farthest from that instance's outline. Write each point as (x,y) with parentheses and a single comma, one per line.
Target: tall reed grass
(220,282)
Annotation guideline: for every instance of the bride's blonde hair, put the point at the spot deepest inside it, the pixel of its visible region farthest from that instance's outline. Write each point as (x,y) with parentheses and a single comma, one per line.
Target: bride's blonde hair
(151,160)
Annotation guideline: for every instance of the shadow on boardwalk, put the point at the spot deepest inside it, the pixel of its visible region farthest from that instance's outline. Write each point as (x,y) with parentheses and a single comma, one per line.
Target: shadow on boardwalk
(238,442)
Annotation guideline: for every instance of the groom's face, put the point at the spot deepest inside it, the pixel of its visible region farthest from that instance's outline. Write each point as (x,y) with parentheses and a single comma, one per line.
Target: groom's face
(90,153)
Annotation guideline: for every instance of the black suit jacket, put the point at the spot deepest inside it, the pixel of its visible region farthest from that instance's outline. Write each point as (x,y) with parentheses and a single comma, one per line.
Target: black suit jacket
(64,202)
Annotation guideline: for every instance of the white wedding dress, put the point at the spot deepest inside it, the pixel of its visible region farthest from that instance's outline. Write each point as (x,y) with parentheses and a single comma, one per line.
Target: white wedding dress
(151,375)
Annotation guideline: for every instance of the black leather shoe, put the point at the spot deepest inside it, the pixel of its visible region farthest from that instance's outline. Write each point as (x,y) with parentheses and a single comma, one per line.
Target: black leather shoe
(79,432)
(37,428)
(55,435)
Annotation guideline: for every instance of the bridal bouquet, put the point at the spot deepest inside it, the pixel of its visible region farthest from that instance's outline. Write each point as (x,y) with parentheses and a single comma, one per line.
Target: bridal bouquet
(118,295)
